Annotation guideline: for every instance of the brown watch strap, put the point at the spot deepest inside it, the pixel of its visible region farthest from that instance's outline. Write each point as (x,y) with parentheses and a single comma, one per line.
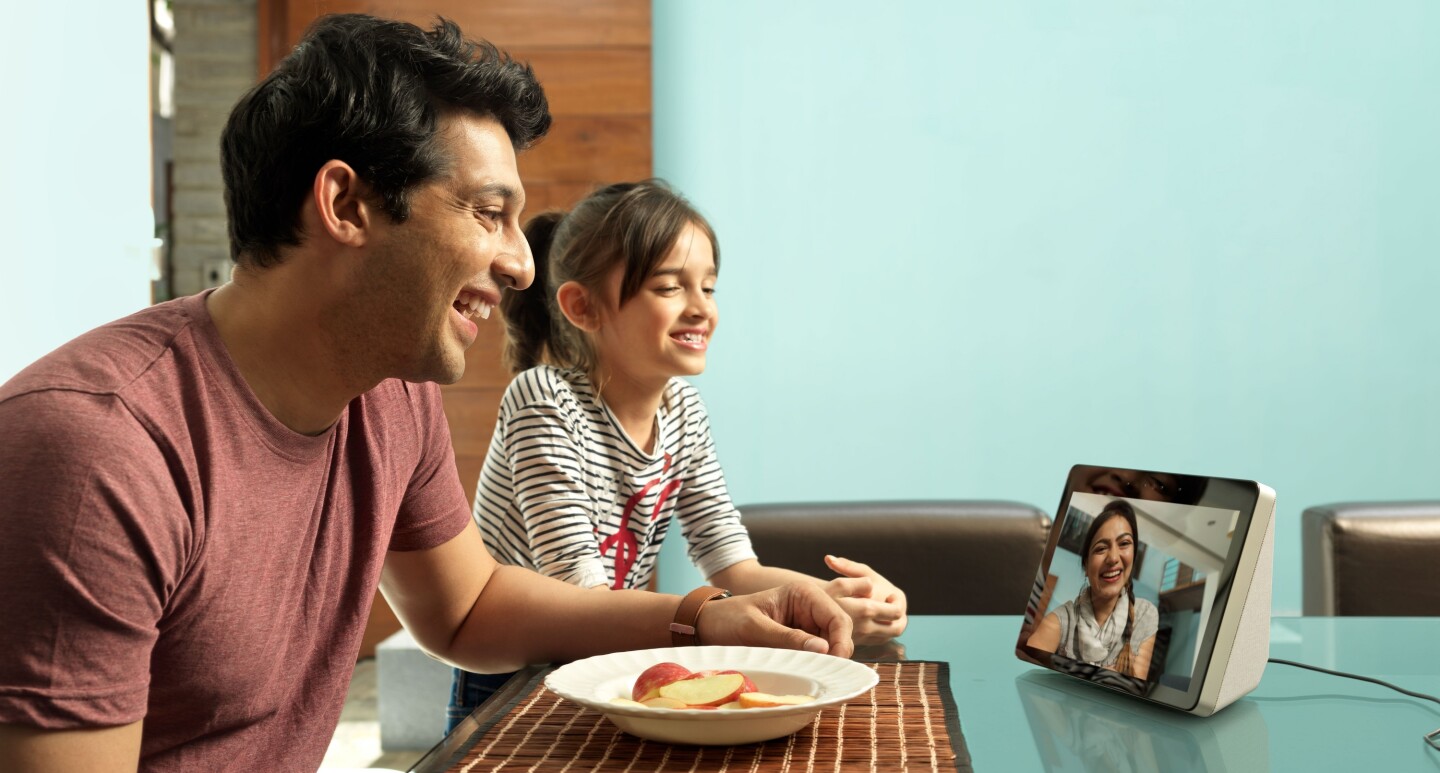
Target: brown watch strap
(682,631)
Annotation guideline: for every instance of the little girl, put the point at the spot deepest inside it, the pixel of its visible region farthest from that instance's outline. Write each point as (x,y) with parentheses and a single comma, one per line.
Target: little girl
(599,442)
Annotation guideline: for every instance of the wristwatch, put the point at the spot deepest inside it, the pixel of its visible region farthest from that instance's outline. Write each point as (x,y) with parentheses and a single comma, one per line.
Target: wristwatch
(682,631)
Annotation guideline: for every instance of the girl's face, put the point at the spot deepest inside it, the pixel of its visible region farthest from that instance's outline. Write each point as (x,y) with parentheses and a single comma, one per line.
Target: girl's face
(1107,564)
(664,329)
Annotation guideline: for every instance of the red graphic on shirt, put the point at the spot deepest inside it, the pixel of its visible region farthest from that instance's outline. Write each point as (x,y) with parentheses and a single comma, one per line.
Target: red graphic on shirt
(623,540)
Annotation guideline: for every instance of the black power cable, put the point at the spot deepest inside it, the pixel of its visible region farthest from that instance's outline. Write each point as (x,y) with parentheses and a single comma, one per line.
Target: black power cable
(1432,738)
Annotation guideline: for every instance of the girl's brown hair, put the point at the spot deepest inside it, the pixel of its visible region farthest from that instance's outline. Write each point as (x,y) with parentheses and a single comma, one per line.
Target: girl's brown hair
(631,224)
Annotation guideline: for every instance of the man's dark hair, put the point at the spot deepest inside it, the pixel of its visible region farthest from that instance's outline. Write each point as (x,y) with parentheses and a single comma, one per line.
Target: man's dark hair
(369,92)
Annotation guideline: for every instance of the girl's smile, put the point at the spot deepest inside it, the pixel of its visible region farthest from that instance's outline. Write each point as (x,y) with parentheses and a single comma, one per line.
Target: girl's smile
(1112,553)
(664,329)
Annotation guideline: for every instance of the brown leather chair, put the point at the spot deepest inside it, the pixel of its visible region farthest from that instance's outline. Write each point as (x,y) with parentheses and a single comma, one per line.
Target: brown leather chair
(950,557)
(1378,559)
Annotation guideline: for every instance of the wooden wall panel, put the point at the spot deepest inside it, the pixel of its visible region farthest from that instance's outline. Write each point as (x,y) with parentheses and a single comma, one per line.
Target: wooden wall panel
(593,58)
(593,80)
(517,24)
(589,148)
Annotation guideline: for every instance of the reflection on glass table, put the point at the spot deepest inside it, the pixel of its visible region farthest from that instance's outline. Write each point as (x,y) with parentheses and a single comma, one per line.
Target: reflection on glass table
(1077,727)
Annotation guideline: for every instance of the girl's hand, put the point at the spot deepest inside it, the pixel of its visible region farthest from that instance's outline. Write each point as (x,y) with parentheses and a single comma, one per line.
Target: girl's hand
(875,605)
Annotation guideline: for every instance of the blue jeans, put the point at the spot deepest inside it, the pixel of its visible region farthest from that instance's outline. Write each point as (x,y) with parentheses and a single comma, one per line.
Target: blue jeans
(468,691)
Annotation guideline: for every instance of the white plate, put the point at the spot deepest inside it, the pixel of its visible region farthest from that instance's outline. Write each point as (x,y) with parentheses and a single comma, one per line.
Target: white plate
(593,682)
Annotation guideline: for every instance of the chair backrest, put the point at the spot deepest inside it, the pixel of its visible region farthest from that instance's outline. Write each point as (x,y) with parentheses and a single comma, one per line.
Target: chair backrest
(949,556)
(1372,559)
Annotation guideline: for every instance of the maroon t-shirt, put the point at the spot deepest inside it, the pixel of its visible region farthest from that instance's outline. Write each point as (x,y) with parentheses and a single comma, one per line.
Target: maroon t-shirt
(171,552)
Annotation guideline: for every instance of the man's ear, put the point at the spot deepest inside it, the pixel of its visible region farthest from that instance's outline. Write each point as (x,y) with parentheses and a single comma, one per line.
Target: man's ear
(579,306)
(340,203)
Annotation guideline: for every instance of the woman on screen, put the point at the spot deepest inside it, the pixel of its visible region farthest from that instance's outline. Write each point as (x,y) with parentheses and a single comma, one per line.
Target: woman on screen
(1105,624)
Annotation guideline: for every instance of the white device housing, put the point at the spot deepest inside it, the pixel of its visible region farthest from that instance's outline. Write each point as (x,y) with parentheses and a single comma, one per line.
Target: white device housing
(1242,644)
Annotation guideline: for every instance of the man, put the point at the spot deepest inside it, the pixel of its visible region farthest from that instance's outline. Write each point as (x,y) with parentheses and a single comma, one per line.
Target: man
(198,501)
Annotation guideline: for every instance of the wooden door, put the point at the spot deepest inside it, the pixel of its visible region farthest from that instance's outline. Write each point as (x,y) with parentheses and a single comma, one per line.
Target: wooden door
(593,58)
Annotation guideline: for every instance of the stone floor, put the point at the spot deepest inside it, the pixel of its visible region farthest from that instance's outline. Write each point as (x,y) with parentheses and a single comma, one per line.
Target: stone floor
(357,739)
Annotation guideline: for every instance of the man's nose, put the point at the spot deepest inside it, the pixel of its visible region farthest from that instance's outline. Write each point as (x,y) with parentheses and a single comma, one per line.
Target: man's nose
(515,266)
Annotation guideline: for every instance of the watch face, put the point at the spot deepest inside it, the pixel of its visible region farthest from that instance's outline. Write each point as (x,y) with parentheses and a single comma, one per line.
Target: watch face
(1134,579)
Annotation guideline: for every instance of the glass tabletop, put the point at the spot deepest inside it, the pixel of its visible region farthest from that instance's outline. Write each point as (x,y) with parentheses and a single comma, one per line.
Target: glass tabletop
(1018,717)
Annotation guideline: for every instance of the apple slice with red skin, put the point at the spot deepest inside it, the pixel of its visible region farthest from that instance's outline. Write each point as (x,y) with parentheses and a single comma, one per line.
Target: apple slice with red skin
(706,691)
(747,686)
(648,684)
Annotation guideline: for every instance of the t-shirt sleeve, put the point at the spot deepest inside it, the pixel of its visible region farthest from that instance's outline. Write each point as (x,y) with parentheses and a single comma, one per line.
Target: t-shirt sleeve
(434,508)
(550,497)
(93,539)
(1062,618)
(708,519)
(1147,623)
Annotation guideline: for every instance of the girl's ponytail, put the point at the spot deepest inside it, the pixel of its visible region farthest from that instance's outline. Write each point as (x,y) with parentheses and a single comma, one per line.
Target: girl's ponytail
(1122,663)
(527,313)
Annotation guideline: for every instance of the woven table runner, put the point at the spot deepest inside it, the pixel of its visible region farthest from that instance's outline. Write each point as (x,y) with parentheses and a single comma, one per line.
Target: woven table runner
(907,723)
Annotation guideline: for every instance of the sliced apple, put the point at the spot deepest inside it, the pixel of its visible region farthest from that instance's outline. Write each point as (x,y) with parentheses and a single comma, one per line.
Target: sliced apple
(759,700)
(648,684)
(730,706)
(705,691)
(662,702)
(627,702)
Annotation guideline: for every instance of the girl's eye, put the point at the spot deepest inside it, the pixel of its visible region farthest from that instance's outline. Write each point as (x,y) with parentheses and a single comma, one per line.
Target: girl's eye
(668,289)
(710,291)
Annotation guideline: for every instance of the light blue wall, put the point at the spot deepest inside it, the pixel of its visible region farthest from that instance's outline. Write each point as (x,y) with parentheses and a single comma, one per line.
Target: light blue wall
(966,245)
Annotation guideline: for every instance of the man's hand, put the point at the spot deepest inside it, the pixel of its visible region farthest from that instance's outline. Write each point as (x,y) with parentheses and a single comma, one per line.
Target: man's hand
(797,616)
(875,605)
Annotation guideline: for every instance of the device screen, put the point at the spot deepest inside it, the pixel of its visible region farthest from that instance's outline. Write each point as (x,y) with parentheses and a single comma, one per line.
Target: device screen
(1137,566)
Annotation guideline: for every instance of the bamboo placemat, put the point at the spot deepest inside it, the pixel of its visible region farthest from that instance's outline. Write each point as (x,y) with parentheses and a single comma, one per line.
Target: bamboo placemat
(907,723)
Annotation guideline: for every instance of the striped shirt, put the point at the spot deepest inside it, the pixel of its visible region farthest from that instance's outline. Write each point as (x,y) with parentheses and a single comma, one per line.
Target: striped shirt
(566,492)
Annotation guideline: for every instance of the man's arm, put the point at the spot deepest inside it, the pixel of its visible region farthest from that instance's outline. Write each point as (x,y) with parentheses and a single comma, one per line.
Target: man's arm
(25,749)
(463,607)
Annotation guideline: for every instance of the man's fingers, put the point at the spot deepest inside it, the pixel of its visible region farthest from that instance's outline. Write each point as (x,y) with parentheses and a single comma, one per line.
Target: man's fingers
(769,633)
(811,609)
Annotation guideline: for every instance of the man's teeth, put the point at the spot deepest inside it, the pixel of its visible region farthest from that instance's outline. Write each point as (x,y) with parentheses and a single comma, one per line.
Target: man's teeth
(470,305)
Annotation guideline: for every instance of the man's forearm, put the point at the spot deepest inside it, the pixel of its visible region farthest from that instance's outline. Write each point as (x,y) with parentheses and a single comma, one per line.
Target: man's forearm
(522,617)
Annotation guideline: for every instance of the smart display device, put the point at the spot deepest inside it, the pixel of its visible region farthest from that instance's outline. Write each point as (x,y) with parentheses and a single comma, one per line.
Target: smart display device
(1157,585)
